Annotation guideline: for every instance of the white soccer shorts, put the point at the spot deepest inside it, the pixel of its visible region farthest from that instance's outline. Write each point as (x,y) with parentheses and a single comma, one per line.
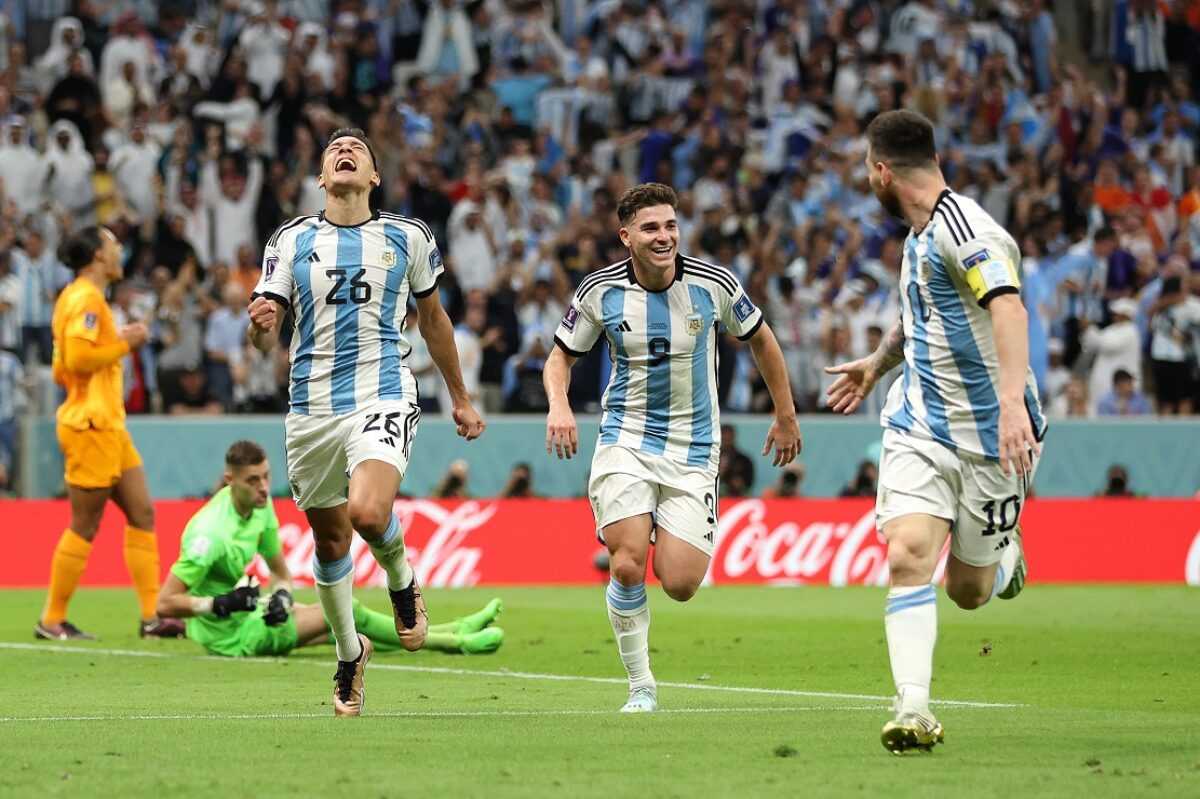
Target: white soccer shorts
(917,475)
(627,482)
(323,451)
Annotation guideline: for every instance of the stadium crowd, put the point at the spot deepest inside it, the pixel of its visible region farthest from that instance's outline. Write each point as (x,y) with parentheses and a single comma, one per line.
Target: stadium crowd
(194,128)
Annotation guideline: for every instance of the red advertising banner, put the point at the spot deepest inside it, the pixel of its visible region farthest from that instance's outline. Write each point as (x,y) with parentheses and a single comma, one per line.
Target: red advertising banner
(551,542)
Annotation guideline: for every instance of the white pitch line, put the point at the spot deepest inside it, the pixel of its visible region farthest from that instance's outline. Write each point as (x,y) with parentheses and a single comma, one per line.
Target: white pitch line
(431,714)
(506,674)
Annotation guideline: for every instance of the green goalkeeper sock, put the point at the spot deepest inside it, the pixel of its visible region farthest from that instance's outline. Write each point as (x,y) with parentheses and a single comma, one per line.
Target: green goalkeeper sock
(378,627)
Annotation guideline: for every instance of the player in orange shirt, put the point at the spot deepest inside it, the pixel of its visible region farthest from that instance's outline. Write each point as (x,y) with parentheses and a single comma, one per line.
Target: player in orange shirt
(101,462)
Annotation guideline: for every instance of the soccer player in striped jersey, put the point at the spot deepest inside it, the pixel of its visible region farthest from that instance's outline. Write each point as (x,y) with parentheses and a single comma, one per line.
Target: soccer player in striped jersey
(347,274)
(654,473)
(962,427)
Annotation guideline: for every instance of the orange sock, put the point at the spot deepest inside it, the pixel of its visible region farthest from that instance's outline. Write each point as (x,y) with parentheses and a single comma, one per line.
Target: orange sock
(66,567)
(141,559)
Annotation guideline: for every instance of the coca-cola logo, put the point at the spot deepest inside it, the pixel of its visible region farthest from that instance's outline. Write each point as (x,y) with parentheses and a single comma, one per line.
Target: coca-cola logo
(442,559)
(1191,569)
(750,547)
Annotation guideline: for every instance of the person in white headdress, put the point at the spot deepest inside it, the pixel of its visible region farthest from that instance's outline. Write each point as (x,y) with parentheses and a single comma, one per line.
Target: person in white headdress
(129,42)
(66,37)
(263,42)
(134,165)
(68,168)
(203,56)
(20,166)
(311,40)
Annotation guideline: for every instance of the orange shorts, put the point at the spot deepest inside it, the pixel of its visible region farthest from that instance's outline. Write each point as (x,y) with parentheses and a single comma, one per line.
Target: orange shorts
(97,458)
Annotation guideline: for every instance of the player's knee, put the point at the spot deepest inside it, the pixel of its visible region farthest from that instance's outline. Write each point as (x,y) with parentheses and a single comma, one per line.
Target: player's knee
(680,590)
(626,569)
(966,596)
(910,559)
(370,520)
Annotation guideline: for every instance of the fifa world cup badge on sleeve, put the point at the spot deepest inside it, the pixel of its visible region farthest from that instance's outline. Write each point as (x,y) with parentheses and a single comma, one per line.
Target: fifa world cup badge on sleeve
(743,308)
(89,321)
(269,266)
(435,260)
(695,324)
(570,317)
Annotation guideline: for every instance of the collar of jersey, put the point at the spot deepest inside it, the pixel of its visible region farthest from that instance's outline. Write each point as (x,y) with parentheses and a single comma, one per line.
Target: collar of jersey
(632,275)
(374,217)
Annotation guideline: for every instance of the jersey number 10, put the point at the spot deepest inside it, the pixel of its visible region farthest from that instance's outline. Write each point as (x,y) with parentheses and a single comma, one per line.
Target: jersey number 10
(360,289)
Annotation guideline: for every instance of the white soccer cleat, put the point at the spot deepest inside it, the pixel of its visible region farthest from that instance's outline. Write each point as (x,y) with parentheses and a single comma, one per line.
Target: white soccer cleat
(643,699)
(912,729)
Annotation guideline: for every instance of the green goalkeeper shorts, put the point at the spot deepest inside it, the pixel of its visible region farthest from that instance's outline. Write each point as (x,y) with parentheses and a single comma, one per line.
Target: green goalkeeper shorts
(254,638)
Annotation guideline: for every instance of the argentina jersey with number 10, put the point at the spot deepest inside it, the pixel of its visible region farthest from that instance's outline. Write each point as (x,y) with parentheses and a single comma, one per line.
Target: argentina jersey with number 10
(949,391)
(348,288)
(662,394)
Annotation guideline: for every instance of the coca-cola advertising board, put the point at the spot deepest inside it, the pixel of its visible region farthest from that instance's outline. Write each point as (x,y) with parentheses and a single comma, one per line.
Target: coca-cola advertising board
(552,542)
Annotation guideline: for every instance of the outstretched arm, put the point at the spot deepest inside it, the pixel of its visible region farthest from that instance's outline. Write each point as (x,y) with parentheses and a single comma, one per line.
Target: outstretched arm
(857,378)
(785,430)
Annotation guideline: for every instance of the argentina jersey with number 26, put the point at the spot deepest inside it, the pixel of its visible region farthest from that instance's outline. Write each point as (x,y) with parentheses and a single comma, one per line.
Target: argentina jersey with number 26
(662,395)
(348,289)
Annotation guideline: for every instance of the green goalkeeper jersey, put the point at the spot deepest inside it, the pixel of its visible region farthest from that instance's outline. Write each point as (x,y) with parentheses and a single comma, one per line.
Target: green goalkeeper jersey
(216,548)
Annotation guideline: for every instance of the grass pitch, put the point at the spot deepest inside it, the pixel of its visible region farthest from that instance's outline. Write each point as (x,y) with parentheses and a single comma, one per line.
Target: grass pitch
(765,691)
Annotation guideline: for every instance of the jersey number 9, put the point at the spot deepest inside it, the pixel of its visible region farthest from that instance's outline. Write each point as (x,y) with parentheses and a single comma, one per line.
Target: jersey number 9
(660,350)
(360,289)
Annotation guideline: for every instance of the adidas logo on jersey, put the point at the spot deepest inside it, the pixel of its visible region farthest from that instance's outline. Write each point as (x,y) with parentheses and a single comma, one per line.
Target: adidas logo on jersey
(624,327)
(313,258)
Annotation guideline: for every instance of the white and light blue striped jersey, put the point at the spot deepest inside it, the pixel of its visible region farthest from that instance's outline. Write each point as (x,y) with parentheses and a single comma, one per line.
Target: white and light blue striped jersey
(348,287)
(949,391)
(662,396)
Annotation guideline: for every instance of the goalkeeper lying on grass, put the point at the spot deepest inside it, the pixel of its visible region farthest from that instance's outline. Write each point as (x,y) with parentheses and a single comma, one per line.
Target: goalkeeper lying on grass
(207,585)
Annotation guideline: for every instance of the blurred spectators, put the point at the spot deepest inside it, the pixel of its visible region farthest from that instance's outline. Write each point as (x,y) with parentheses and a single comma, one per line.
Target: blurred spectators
(12,402)
(1116,482)
(865,481)
(735,471)
(789,483)
(453,484)
(520,483)
(1123,399)
(511,126)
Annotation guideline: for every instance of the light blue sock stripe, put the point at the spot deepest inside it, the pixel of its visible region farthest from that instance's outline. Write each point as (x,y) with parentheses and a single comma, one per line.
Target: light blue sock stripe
(923,597)
(329,573)
(389,535)
(626,591)
(997,587)
(627,604)
(623,597)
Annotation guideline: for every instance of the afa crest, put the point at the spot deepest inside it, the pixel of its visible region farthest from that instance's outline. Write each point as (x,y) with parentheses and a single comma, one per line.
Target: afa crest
(389,258)
(694,324)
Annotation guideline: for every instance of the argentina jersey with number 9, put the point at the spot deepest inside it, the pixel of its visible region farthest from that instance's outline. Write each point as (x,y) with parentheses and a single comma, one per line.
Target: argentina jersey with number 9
(662,393)
(348,289)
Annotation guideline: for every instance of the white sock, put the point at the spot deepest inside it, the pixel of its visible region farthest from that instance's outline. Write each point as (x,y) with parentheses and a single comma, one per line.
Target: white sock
(1008,563)
(630,618)
(911,624)
(335,591)
(389,553)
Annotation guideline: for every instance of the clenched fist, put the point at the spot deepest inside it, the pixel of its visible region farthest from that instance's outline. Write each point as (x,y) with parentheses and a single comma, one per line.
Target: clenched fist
(262,313)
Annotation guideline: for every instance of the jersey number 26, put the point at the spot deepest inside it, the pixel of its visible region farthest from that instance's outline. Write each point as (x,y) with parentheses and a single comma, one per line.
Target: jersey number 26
(360,289)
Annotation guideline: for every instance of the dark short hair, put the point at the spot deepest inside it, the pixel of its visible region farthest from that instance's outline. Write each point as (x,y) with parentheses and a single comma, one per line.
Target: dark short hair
(244,453)
(903,140)
(1120,376)
(81,248)
(647,195)
(357,133)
